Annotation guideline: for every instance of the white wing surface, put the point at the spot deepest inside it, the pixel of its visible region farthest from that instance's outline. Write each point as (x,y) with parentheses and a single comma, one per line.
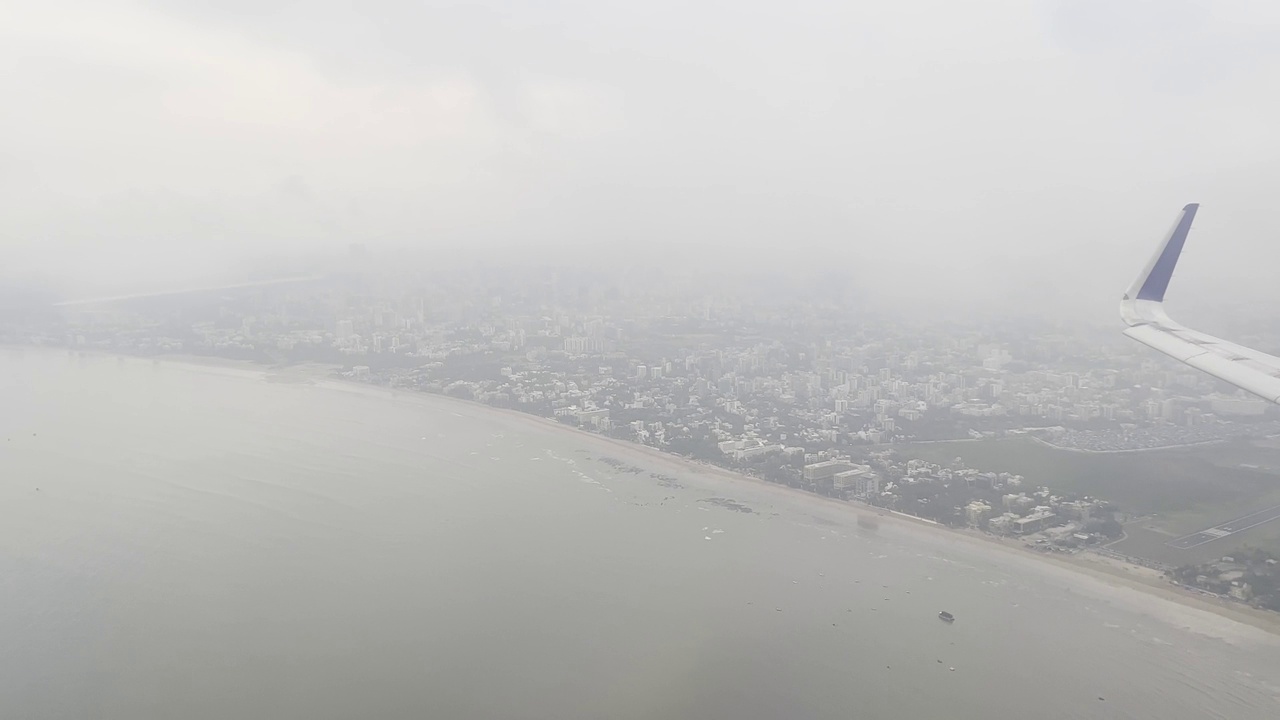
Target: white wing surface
(1142,309)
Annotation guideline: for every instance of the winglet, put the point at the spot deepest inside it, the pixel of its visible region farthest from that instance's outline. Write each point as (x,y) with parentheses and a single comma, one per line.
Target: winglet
(1154,280)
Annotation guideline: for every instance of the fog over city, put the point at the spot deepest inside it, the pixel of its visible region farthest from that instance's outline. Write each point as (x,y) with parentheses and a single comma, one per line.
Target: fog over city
(642,359)
(977,153)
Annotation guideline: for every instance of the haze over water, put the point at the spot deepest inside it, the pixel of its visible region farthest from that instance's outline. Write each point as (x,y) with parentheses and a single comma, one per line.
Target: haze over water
(197,542)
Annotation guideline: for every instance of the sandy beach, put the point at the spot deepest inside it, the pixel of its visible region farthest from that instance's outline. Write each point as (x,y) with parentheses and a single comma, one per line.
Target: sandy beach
(1198,612)
(1141,582)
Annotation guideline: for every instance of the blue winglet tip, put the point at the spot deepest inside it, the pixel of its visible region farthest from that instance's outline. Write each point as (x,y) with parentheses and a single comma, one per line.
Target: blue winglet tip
(1157,281)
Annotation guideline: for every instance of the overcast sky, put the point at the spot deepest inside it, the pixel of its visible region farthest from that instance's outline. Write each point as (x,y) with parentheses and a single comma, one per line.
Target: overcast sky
(938,150)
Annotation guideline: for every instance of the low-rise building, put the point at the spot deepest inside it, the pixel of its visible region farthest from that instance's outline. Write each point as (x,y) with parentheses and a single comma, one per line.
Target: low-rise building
(1034,522)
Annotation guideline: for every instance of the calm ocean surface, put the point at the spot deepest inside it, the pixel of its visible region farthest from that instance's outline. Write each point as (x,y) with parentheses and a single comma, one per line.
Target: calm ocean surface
(180,541)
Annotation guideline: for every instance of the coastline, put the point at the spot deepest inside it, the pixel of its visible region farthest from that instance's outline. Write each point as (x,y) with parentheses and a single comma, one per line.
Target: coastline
(1109,571)
(1114,573)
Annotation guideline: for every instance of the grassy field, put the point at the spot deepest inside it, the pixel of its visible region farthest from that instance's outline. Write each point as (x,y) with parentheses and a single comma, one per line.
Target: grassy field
(1261,455)
(1146,539)
(1186,489)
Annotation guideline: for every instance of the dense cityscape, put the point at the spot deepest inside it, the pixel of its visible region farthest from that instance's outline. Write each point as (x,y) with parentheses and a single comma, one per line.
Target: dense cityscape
(657,360)
(791,388)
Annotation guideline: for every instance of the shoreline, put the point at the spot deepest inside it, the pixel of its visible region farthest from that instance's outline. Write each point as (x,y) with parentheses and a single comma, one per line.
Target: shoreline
(1109,571)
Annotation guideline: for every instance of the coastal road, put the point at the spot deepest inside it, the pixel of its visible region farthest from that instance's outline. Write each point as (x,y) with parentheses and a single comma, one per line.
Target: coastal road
(1230,527)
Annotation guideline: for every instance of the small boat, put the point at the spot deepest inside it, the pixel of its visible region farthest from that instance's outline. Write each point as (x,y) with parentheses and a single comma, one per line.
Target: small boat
(946,616)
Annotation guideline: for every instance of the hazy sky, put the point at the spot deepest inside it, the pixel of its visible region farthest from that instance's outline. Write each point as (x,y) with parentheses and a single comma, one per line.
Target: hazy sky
(938,150)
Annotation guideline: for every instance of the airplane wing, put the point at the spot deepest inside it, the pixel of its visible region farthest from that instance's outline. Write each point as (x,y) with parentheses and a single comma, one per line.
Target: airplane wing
(1142,309)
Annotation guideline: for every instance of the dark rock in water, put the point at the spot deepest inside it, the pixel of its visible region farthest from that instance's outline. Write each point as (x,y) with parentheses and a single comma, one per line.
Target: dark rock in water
(666,481)
(727,504)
